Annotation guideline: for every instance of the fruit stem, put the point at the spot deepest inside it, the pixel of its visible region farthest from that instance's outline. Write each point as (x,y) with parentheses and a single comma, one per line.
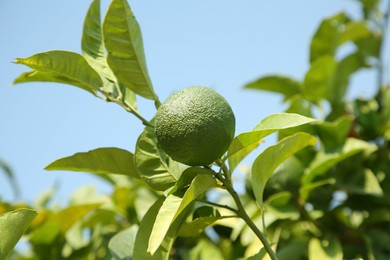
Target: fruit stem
(129,109)
(219,205)
(241,210)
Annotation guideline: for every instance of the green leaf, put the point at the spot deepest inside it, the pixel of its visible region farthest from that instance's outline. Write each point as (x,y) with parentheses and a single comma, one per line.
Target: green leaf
(121,245)
(353,31)
(205,249)
(260,255)
(62,67)
(371,183)
(266,163)
(101,161)
(123,41)
(334,134)
(318,80)
(363,182)
(13,224)
(280,205)
(61,222)
(202,218)
(153,165)
(174,204)
(327,37)
(370,45)
(344,69)
(279,84)
(92,41)
(325,249)
(144,232)
(305,190)
(326,160)
(246,142)
(188,176)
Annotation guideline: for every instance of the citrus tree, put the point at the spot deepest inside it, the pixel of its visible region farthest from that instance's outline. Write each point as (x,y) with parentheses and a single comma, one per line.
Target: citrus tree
(320,192)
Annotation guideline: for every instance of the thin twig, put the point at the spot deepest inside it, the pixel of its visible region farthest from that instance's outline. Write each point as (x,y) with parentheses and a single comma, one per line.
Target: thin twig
(219,205)
(241,210)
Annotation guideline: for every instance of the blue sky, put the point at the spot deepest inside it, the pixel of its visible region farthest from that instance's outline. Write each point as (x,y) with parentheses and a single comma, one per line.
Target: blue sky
(220,44)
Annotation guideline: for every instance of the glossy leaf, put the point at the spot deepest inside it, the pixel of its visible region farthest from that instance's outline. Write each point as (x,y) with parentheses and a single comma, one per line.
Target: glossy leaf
(13,224)
(122,244)
(266,163)
(324,161)
(174,205)
(123,41)
(318,80)
(101,161)
(246,142)
(92,41)
(62,67)
(144,232)
(280,84)
(327,249)
(153,166)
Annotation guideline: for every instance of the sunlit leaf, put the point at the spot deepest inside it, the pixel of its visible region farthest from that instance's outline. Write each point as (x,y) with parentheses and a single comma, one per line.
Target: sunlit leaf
(327,37)
(121,245)
(280,84)
(326,249)
(152,164)
(344,69)
(324,161)
(266,163)
(174,204)
(205,249)
(260,255)
(60,222)
(318,80)
(334,134)
(13,224)
(353,31)
(144,232)
(62,67)
(92,41)
(93,50)
(370,45)
(100,161)
(123,41)
(188,175)
(246,142)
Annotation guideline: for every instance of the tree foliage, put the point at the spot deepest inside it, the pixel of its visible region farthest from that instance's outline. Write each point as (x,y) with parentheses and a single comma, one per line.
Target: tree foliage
(320,192)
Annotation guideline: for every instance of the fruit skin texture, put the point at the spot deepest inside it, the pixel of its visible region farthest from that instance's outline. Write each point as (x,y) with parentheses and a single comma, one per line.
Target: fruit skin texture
(195,126)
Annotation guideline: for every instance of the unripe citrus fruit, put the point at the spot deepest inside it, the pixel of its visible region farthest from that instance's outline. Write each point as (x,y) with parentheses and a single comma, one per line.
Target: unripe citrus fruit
(195,126)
